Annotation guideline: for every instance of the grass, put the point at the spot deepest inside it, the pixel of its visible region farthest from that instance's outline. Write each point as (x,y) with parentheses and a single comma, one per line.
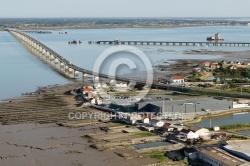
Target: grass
(236,127)
(158,155)
(144,134)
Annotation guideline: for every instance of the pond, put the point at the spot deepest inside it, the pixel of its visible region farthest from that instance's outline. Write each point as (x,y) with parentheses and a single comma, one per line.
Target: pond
(225,120)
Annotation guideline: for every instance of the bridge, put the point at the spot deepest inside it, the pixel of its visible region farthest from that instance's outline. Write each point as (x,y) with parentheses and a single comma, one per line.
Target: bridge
(173,43)
(67,68)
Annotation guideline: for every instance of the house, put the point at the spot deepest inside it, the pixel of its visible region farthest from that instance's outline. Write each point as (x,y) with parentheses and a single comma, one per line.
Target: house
(168,127)
(197,70)
(199,131)
(156,123)
(177,80)
(232,67)
(88,90)
(133,119)
(238,63)
(145,120)
(215,65)
(219,135)
(188,134)
(206,64)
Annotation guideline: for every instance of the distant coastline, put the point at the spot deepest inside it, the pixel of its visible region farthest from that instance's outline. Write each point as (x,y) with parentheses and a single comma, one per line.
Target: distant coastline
(107,23)
(113,27)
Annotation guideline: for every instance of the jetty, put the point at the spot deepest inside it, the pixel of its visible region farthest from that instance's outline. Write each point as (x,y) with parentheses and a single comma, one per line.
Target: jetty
(174,43)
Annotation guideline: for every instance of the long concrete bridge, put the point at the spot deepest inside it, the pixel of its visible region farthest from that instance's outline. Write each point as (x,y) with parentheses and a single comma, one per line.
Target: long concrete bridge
(173,43)
(67,68)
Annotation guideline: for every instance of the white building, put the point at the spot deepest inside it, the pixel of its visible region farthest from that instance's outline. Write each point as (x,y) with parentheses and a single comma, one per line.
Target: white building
(177,80)
(199,131)
(156,123)
(145,120)
(188,134)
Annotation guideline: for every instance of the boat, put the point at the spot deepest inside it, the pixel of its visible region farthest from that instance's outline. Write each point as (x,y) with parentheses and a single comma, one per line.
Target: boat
(216,37)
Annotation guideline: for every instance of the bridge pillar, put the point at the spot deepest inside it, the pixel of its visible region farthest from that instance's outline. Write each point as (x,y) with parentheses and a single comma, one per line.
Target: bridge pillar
(47,54)
(66,70)
(84,77)
(56,61)
(40,49)
(62,66)
(76,74)
(44,51)
(52,57)
(71,72)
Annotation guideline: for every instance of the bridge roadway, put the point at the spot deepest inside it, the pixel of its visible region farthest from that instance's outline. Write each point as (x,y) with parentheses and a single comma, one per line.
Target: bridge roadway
(172,43)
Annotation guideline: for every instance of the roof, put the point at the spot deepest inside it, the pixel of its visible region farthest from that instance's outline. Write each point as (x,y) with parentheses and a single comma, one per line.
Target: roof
(177,77)
(154,121)
(122,102)
(189,150)
(186,131)
(241,146)
(167,124)
(221,156)
(195,128)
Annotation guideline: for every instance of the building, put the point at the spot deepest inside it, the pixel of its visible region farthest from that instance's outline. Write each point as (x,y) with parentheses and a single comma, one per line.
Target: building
(206,64)
(168,127)
(216,128)
(177,107)
(156,123)
(215,65)
(197,70)
(232,67)
(188,134)
(88,90)
(145,120)
(199,131)
(177,80)
(219,157)
(239,148)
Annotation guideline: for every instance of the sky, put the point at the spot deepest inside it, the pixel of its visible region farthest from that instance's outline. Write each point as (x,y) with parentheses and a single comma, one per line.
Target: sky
(124,8)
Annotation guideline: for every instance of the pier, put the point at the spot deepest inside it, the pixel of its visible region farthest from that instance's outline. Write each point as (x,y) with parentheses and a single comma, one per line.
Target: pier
(175,43)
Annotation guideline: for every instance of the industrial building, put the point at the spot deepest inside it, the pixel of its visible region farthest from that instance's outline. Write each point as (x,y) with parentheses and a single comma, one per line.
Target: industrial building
(185,106)
(239,148)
